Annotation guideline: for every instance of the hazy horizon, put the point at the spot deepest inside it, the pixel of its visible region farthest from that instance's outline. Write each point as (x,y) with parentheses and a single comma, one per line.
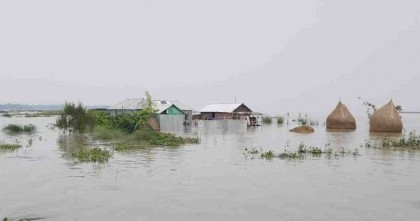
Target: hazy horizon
(274,56)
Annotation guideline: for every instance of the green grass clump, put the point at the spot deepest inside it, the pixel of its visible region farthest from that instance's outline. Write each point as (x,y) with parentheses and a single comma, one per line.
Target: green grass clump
(406,142)
(30,128)
(6,146)
(14,128)
(268,155)
(168,139)
(95,155)
(311,150)
(267,120)
(6,115)
(141,139)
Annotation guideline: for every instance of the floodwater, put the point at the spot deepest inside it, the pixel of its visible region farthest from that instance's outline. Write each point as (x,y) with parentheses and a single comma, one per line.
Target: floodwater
(213,180)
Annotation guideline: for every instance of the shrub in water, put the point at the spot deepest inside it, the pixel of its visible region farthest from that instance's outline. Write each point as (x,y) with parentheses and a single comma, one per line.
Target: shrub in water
(267,120)
(14,128)
(92,155)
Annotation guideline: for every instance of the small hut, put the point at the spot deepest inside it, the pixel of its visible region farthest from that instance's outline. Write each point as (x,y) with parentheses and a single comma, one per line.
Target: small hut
(386,119)
(341,118)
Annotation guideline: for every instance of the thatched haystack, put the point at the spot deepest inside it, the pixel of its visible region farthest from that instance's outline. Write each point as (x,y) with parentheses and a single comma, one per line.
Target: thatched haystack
(303,129)
(341,118)
(386,119)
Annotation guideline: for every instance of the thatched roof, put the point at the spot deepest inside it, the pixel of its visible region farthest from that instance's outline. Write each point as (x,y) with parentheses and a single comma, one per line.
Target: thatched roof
(341,118)
(386,119)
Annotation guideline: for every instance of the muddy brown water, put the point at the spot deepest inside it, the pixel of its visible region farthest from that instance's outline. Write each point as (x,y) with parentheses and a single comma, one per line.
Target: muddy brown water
(213,180)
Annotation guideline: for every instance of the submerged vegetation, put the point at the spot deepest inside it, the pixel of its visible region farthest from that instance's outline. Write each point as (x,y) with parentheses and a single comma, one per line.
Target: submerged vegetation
(302,152)
(9,147)
(280,120)
(6,115)
(143,139)
(14,128)
(127,131)
(267,120)
(406,142)
(95,155)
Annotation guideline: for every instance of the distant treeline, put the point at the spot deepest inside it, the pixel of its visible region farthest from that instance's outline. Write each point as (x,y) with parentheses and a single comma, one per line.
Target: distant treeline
(38,107)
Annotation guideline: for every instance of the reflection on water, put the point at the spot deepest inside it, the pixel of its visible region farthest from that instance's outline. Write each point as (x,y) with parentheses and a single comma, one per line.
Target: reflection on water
(213,179)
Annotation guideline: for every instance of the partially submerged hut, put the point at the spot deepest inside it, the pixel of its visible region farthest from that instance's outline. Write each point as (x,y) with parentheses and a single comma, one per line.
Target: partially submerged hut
(225,112)
(341,118)
(386,119)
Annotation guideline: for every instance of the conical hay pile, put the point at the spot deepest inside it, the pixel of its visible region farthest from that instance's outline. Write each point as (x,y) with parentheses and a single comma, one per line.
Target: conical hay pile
(386,119)
(341,118)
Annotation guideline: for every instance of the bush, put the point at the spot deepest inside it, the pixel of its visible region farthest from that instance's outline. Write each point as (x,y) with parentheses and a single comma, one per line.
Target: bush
(14,128)
(280,120)
(74,118)
(267,120)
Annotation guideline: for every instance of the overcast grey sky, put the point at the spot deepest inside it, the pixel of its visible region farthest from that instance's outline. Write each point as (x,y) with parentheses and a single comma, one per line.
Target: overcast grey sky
(275,56)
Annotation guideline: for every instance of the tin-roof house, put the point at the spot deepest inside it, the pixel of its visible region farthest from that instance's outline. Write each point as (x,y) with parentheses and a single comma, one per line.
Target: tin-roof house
(169,115)
(126,106)
(225,111)
(188,111)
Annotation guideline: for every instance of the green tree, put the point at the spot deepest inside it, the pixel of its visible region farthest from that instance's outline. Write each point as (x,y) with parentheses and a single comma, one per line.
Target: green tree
(74,119)
(148,111)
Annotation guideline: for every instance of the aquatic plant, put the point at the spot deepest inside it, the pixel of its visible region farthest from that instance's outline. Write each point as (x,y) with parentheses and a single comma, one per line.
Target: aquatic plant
(302,152)
(141,139)
(267,155)
(14,128)
(9,147)
(95,155)
(167,139)
(280,120)
(252,150)
(311,150)
(267,120)
(410,141)
(294,155)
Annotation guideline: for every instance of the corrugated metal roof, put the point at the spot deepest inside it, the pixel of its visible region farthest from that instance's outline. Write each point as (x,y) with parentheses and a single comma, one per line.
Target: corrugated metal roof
(161,107)
(129,104)
(178,104)
(137,104)
(222,108)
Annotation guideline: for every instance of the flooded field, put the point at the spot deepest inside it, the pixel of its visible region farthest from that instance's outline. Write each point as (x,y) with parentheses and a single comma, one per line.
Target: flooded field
(213,180)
